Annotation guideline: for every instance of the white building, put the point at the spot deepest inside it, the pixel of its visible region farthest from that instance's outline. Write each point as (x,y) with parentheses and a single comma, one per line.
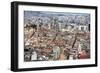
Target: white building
(73,26)
(34,56)
(56,51)
(82,27)
(79,47)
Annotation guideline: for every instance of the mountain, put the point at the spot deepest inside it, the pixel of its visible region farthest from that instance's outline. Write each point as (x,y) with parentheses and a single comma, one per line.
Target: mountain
(79,18)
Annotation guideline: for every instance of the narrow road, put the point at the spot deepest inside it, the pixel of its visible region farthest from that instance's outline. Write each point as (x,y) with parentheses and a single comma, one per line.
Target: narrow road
(62,56)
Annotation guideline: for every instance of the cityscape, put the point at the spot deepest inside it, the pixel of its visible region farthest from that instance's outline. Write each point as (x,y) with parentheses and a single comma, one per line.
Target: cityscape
(53,36)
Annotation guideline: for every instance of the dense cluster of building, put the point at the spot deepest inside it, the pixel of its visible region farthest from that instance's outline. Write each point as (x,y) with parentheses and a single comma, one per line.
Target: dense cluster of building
(55,40)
